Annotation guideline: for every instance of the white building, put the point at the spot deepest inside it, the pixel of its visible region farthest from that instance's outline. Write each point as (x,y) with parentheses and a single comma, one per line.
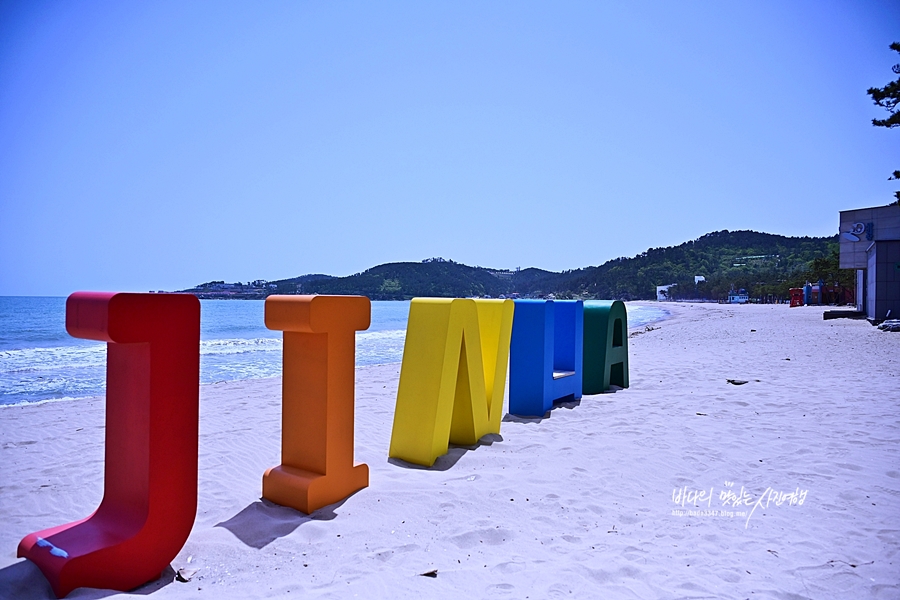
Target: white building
(662,292)
(738,297)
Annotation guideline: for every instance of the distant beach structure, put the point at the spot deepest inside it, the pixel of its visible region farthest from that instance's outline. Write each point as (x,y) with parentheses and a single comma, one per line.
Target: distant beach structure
(662,292)
(870,243)
(738,296)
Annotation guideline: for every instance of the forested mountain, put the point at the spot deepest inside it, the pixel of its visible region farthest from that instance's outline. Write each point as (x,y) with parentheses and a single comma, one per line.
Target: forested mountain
(763,264)
(401,281)
(766,265)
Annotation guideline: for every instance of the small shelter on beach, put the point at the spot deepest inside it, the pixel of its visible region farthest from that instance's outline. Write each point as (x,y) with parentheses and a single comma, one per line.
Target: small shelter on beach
(738,297)
(870,243)
(662,292)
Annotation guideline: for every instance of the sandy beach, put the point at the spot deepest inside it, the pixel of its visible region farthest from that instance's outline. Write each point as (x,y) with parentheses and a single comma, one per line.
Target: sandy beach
(594,500)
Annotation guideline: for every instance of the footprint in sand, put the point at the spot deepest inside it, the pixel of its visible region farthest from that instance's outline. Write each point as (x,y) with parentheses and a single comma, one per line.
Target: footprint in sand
(386,555)
(850,467)
(729,576)
(490,537)
(508,568)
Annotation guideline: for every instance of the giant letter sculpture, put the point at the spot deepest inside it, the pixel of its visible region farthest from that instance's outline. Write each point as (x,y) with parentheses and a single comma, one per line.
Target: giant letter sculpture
(317,467)
(545,356)
(453,376)
(150,480)
(605,346)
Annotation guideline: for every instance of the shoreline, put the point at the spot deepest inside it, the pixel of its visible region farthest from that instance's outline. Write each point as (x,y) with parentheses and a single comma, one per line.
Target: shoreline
(44,401)
(581,502)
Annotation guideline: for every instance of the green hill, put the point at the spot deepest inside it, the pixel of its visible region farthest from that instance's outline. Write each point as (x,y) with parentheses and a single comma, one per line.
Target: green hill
(402,281)
(764,264)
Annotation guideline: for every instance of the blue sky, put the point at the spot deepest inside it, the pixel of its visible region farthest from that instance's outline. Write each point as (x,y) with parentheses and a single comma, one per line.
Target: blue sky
(157,145)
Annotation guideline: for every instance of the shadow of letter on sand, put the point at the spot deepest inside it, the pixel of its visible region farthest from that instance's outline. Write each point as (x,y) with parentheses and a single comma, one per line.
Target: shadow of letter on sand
(24,581)
(263,522)
(446,461)
(569,404)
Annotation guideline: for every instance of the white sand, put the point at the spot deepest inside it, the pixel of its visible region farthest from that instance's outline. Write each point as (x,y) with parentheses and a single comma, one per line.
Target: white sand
(576,505)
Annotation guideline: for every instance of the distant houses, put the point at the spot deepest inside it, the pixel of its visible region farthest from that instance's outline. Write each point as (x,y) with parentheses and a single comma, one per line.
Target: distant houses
(212,290)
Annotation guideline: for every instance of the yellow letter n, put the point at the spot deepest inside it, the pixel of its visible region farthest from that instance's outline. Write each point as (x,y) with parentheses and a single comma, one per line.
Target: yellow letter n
(453,376)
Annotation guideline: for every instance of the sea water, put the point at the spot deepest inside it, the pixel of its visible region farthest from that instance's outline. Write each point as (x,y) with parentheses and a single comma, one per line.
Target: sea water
(40,362)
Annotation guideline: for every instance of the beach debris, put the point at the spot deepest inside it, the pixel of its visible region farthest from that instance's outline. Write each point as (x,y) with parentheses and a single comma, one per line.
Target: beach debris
(871,562)
(773,552)
(646,329)
(702,415)
(432,573)
(184,575)
(890,325)
(737,381)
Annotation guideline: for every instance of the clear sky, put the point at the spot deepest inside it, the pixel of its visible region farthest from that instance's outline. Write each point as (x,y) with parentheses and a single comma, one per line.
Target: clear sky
(157,145)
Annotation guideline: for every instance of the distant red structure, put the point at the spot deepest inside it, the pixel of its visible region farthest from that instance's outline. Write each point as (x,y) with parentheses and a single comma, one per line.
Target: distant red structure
(836,294)
(822,294)
(150,481)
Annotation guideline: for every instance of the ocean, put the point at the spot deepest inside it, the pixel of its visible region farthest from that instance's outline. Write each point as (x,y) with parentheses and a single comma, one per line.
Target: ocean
(41,362)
